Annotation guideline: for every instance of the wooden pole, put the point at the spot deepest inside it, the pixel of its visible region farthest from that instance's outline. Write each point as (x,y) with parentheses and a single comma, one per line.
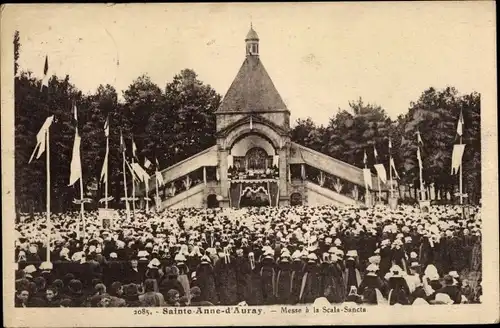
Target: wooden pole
(127,206)
(48,195)
(107,171)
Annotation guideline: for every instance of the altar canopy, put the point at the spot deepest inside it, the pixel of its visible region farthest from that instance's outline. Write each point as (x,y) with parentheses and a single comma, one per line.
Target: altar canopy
(244,193)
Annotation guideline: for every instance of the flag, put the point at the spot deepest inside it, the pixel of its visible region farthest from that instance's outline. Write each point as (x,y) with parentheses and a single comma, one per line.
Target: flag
(419,158)
(104,171)
(375,152)
(159,178)
(45,79)
(381,172)
(76,165)
(122,143)
(393,167)
(106,127)
(456,158)
(132,172)
(142,175)
(365,158)
(419,138)
(147,163)
(134,149)
(368,177)
(41,137)
(390,144)
(460,124)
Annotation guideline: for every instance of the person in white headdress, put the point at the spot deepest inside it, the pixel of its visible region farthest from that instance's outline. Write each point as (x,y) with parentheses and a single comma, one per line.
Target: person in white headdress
(399,291)
(284,278)
(372,287)
(310,287)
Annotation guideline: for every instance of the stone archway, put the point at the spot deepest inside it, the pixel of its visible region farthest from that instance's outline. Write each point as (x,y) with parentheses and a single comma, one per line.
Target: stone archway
(212,201)
(257,128)
(296,199)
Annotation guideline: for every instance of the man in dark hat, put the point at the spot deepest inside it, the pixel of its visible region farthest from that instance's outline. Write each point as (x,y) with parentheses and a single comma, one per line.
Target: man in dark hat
(451,289)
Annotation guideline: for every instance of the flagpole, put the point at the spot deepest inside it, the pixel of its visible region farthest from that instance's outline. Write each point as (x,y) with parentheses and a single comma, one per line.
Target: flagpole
(106,182)
(421,179)
(127,206)
(48,195)
(156,185)
(460,181)
(82,215)
(146,186)
(390,176)
(379,189)
(133,191)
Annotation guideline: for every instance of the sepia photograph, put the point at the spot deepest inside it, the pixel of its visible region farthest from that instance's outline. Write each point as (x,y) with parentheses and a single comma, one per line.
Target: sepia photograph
(222,164)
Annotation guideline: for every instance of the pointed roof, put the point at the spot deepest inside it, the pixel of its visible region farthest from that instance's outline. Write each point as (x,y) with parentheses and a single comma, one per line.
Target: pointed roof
(252,90)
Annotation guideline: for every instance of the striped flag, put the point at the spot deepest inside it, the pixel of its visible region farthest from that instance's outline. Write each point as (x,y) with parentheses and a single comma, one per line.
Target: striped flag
(460,124)
(104,171)
(106,127)
(41,138)
(76,165)
(45,79)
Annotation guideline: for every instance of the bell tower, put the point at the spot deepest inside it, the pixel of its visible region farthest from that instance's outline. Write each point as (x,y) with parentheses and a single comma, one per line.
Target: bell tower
(252,42)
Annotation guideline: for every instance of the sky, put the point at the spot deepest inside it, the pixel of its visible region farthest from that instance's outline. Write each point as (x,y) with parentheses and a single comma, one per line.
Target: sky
(320,56)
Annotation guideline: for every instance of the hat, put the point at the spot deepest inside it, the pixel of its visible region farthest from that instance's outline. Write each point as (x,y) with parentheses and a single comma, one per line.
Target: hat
(205,259)
(374,259)
(46,266)
(311,257)
(413,255)
(30,269)
(113,255)
(332,250)
(442,298)
(420,301)
(372,268)
(337,242)
(143,254)
(154,263)
(448,280)
(352,253)
(296,255)
(454,274)
(414,264)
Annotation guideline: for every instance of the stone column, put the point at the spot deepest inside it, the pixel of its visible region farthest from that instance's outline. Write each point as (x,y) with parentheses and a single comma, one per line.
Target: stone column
(283,176)
(224,183)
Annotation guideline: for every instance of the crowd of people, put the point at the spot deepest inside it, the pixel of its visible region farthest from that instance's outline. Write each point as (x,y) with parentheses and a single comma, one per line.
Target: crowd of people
(251,256)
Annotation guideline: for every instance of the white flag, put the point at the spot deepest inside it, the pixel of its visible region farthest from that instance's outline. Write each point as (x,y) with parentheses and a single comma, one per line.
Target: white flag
(41,137)
(375,152)
(45,79)
(147,163)
(456,158)
(419,138)
(159,178)
(134,149)
(132,172)
(368,178)
(140,172)
(365,158)
(419,158)
(381,172)
(106,127)
(393,167)
(460,124)
(76,165)
(104,171)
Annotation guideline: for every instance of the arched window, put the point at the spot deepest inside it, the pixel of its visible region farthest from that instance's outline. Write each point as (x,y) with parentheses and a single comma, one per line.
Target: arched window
(296,199)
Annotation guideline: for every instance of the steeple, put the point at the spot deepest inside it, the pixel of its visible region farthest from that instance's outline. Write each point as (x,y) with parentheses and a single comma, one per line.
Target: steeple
(252,42)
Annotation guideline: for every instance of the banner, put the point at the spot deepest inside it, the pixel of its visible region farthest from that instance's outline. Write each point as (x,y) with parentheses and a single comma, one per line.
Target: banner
(108,217)
(368,178)
(381,172)
(456,158)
